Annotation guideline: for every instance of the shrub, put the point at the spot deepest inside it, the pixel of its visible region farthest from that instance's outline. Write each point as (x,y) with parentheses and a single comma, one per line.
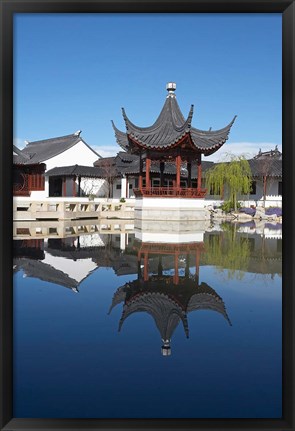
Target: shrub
(228,206)
(122,200)
(273,211)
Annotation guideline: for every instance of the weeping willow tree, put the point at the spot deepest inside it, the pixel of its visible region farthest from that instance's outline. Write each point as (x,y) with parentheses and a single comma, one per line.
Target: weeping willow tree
(235,175)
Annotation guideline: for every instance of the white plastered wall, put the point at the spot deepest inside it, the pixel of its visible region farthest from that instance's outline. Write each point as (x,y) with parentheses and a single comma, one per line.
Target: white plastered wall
(79,154)
(272,196)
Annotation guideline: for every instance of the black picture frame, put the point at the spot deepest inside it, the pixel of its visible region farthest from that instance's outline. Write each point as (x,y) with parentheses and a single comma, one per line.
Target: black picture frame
(8,8)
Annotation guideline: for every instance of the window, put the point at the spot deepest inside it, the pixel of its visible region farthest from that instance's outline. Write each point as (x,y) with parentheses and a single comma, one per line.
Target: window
(280,188)
(156,182)
(118,187)
(36,181)
(130,186)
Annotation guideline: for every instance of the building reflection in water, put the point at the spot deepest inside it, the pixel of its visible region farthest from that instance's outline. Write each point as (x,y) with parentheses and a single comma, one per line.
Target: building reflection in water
(168,297)
(167,285)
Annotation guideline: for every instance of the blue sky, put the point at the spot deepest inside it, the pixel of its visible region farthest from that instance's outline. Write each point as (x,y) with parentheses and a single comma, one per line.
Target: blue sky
(75,72)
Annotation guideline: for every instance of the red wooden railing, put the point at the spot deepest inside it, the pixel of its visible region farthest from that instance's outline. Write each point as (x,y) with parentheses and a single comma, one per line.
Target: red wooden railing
(168,192)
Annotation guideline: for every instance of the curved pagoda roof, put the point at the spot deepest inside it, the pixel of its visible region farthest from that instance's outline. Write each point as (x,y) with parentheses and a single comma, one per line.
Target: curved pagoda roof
(169,130)
(167,303)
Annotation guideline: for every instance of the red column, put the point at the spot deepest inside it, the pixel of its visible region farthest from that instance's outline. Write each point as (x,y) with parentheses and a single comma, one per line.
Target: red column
(140,172)
(64,186)
(127,187)
(199,172)
(176,275)
(147,172)
(189,174)
(178,164)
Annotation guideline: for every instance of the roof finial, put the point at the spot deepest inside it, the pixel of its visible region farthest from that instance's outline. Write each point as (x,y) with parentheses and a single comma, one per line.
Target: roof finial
(171,87)
(166,348)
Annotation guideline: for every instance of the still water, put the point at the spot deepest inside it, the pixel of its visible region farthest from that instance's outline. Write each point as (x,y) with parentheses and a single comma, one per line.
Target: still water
(123,326)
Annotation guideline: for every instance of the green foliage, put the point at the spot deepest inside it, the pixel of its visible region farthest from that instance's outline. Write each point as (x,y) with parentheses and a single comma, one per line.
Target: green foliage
(228,206)
(235,175)
(122,200)
(228,251)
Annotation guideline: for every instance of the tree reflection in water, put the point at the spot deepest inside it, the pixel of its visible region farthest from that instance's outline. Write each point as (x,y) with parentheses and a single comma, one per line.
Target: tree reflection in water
(228,251)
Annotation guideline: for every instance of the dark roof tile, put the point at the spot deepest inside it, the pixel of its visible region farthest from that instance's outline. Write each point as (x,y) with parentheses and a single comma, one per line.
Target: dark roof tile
(169,128)
(39,151)
(76,170)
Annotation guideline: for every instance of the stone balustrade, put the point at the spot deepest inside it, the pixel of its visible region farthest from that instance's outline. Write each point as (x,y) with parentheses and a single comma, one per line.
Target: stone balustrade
(74,209)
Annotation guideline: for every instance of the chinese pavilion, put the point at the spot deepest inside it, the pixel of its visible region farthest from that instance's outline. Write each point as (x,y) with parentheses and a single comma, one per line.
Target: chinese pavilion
(171,139)
(168,298)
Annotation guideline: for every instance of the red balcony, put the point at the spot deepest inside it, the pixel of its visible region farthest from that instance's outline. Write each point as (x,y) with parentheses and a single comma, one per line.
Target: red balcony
(170,192)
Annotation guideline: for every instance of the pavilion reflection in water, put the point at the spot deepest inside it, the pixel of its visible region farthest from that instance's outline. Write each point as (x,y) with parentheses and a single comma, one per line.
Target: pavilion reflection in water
(168,298)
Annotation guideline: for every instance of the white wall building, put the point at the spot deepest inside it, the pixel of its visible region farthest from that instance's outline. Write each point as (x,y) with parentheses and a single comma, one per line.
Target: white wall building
(63,151)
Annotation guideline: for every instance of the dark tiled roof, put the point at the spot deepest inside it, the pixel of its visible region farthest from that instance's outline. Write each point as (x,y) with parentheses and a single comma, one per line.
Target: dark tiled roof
(274,154)
(105,160)
(168,129)
(19,158)
(76,170)
(166,303)
(166,313)
(266,166)
(39,151)
(45,272)
(210,141)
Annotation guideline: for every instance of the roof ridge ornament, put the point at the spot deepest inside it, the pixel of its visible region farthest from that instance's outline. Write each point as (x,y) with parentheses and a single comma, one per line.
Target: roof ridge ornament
(171,87)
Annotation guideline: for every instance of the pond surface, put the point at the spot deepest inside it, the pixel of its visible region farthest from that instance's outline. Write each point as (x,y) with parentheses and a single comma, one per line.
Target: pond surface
(110,326)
